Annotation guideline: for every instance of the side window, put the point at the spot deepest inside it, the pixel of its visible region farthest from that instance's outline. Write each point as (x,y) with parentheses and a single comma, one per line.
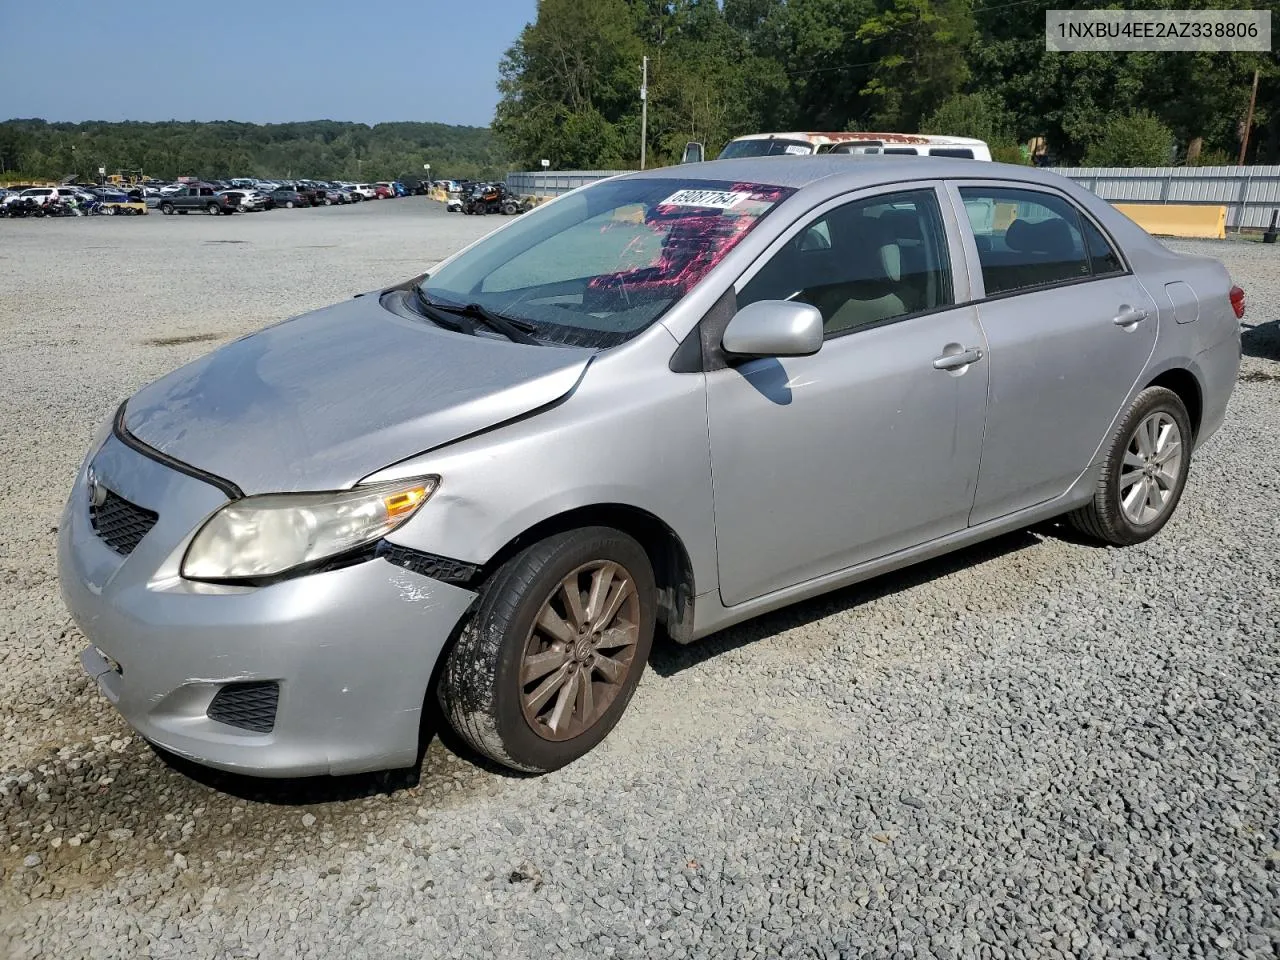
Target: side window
(1025,238)
(963,153)
(1103,259)
(902,151)
(206,191)
(866,262)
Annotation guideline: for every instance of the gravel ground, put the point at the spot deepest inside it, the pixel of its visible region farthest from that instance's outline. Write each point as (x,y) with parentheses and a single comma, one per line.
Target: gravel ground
(1032,748)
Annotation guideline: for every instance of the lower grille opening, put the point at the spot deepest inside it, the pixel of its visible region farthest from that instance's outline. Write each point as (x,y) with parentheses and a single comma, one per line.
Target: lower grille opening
(121,524)
(249,706)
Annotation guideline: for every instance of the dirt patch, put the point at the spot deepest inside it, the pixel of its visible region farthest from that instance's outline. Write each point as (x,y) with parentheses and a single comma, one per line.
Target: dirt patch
(178,341)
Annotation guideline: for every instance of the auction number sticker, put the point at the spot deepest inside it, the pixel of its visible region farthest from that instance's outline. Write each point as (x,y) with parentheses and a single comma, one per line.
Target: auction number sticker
(715,199)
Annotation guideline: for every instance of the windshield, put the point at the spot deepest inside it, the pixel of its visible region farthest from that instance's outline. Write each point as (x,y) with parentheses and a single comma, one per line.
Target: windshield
(597,267)
(765,148)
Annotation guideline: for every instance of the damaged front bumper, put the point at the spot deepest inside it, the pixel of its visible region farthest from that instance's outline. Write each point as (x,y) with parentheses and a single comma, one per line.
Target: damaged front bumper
(336,664)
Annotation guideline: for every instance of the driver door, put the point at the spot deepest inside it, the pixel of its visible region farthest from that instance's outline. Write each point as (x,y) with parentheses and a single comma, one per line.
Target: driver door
(871,445)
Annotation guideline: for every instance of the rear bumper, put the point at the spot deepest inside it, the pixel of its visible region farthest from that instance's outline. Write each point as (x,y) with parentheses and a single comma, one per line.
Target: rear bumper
(352,650)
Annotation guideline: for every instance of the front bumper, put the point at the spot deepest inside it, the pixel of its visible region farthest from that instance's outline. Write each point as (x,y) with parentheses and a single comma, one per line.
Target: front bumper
(352,649)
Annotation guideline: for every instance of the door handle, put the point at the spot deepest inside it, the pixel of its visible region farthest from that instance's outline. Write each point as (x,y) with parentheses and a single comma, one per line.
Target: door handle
(1129,316)
(954,361)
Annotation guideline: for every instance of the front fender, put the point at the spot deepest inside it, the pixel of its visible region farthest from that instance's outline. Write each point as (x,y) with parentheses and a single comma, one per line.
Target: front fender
(632,434)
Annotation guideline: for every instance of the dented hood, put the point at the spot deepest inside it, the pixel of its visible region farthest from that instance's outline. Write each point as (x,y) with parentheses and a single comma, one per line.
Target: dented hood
(322,400)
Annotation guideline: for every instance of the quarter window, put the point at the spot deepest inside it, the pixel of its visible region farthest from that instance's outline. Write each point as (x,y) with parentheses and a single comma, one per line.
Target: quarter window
(1025,238)
(1103,259)
(863,263)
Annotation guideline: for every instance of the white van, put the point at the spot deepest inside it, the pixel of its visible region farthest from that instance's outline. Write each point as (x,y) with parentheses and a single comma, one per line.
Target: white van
(804,144)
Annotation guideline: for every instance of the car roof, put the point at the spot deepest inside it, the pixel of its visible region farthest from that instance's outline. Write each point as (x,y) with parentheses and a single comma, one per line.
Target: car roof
(854,170)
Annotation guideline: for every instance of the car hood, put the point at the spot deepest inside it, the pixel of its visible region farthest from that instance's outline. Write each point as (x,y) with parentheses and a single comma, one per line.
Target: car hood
(320,401)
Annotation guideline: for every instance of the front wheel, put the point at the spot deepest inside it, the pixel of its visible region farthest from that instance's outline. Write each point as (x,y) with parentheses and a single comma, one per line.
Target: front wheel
(212,210)
(549,659)
(166,209)
(1144,474)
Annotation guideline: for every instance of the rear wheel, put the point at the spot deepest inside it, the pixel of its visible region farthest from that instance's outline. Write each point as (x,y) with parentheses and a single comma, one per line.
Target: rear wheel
(1144,473)
(289,204)
(212,210)
(547,663)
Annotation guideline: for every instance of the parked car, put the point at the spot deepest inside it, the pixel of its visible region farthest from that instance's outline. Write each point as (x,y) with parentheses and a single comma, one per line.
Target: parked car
(788,377)
(45,195)
(199,196)
(290,198)
(248,201)
(383,191)
(334,195)
(807,143)
(365,191)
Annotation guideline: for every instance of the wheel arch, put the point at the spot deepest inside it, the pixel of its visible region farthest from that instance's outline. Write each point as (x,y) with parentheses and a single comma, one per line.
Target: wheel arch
(672,568)
(1185,384)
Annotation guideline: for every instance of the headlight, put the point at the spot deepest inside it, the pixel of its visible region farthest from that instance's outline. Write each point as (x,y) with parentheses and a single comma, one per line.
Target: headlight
(269,535)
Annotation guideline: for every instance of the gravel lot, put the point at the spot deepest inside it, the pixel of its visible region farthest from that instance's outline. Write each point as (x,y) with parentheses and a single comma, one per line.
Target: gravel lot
(1033,748)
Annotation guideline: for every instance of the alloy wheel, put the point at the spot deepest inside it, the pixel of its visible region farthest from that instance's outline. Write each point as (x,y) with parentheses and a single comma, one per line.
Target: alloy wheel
(1152,465)
(580,650)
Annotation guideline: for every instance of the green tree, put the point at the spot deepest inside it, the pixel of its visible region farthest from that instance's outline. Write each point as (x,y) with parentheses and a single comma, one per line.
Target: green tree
(1136,139)
(920,48)
(981,115)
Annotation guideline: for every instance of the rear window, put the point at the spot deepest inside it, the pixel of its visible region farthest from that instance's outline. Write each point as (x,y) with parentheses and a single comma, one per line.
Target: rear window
(770,147)
(599,266)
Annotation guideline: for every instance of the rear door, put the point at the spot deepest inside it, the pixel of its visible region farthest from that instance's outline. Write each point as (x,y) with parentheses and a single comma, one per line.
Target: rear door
(1070,330)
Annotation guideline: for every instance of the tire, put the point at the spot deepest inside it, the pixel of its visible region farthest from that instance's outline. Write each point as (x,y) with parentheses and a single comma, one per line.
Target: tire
(288,204)
(480,688)
(1120,513)
(166,209)
(212,210)
(328,202)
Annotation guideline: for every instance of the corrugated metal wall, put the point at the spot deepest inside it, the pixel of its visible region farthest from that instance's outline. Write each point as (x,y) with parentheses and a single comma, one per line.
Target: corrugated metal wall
(1249,193)
(554,183)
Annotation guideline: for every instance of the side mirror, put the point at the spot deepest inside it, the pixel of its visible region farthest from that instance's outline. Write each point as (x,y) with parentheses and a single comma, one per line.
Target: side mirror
(774,328)
(693,152)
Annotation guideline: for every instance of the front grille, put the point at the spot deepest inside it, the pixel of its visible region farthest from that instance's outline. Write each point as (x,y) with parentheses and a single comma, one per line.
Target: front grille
(250,706)
(121,524)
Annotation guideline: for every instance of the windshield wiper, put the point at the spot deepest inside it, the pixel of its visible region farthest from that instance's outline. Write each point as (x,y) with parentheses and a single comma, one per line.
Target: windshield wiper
(438,316)
(513,328)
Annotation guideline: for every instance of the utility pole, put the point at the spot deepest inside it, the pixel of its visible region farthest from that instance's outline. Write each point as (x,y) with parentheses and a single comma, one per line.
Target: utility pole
(644,106)
(1248,119)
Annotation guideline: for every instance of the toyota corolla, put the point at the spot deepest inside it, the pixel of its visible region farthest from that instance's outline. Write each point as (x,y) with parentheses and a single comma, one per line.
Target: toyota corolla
(667,401)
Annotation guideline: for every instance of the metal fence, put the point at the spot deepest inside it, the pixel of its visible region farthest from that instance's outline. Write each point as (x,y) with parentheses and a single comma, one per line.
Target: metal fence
(1248,193)
(552,184)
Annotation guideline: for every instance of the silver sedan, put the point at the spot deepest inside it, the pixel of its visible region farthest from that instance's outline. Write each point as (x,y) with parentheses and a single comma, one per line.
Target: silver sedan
(667,401)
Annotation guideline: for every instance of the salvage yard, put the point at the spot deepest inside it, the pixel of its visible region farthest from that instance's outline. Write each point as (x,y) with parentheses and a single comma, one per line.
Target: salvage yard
(1035,747)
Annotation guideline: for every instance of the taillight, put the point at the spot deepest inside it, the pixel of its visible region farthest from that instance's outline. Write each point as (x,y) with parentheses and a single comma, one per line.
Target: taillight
(1237,302)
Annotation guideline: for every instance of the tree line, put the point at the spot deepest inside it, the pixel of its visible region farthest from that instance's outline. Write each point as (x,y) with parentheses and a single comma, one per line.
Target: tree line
(570,84)
(324,149)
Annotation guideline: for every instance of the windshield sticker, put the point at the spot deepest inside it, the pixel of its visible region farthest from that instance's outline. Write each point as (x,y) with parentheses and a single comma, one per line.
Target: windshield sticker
(799,150)
(713,199)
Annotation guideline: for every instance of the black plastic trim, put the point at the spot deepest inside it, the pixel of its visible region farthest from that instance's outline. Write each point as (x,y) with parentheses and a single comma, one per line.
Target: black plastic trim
(444,569)
(248,705)
(129,440)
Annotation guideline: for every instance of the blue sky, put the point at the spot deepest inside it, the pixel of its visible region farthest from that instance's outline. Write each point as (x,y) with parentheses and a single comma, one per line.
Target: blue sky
(278,60)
